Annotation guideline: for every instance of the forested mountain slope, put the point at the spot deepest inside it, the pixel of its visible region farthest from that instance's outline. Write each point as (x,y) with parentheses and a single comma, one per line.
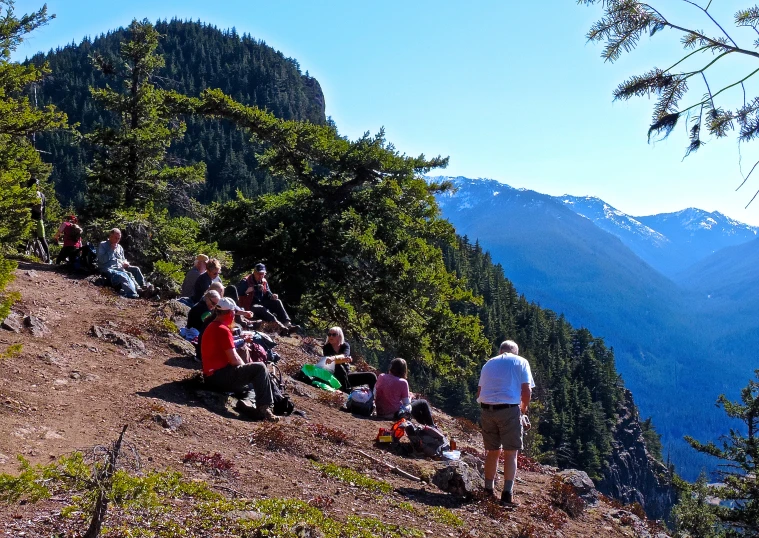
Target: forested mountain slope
(566,263)
(197,56)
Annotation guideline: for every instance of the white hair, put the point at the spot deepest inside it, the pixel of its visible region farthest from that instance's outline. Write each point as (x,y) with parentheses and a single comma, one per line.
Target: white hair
(509,346)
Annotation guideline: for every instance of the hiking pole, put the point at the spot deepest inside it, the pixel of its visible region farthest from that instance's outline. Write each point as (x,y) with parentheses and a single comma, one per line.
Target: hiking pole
(393,468)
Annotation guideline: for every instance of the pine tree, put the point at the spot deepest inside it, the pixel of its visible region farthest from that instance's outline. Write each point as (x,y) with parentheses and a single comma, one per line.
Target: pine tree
(19,161)
(130,168)
(739,473)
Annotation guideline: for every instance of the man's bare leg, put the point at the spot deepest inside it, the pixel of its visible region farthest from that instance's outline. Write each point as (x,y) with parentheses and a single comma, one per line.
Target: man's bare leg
(491,467)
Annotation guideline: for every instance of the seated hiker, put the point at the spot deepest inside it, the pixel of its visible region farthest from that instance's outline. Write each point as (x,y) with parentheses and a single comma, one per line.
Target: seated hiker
(72,239)
(113,265)
(203,310)
(188,284)
(256,296)
(336,360)
(392,397)
(204,281)
(225,370)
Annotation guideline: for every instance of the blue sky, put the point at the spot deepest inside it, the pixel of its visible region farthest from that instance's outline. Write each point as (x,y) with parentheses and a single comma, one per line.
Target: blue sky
(510,91)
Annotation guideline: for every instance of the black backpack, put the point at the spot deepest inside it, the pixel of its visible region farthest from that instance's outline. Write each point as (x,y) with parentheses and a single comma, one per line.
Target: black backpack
(283,407)
(360,401)
(87,261)
(427,440)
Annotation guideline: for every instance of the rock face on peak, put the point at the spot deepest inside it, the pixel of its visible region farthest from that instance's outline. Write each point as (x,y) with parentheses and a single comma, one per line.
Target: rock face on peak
(633,475)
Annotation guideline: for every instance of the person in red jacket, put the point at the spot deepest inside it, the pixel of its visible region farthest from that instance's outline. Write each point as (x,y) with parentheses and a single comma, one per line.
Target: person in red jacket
(72,239)
(226,370)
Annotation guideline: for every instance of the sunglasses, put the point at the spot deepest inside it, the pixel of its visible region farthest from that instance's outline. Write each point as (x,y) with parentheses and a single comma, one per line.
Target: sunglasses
(331,334)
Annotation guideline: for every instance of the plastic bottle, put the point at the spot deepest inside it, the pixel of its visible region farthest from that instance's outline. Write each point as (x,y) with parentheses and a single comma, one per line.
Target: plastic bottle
(453,443)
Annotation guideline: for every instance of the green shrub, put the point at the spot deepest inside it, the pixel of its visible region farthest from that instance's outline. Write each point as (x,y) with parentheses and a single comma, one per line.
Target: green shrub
(349,476)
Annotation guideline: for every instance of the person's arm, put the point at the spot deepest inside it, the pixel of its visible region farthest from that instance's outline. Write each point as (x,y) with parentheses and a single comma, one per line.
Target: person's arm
(233,358)
(479,389)
(526,396)
(60,231)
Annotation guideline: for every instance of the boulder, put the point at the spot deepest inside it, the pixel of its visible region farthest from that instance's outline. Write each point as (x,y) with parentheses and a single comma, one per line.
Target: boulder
(170,422)
(215,401)
(35,326)
(177,309)
(582,484)
(458,478)
(305,530)
(182,346)
(12,323)
(130,342)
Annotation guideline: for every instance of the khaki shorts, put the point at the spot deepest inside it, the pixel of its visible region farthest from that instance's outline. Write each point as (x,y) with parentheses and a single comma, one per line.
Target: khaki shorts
(502,428)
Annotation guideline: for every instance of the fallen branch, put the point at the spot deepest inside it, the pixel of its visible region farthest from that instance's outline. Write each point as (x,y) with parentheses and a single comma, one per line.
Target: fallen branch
(393,468)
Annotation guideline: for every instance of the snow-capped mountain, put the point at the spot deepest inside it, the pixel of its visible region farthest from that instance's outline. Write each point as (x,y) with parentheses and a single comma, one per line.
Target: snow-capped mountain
(668,242)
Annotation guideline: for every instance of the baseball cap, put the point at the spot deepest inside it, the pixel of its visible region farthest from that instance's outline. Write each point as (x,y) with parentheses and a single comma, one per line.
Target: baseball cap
(227,304)
(260,268)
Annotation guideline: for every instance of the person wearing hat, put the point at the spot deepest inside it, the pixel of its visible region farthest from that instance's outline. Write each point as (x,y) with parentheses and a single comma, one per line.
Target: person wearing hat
(225,370)
(72,239)
(198,268)
(256,295)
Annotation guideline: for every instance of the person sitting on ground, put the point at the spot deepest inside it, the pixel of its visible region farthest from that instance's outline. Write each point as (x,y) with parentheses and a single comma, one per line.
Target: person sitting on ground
(113,265)
(39,208)
(225,370)
(258,298)
(203,310)
(72,239)
(188,284)
(337,357)
(204,281)
(392,397)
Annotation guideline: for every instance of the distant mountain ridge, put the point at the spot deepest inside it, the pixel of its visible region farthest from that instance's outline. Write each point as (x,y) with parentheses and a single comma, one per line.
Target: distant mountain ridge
(669,242)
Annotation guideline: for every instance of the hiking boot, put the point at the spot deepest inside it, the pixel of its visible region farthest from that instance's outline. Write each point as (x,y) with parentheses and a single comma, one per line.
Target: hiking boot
(294,329)
(507,500)
(264,415)
(489,494)
(246,408)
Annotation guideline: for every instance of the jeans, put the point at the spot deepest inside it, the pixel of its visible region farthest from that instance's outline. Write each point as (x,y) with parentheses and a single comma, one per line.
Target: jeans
(240,379)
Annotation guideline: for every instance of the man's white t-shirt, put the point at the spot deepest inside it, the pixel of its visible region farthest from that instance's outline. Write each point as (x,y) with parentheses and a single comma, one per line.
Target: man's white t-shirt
(501,379)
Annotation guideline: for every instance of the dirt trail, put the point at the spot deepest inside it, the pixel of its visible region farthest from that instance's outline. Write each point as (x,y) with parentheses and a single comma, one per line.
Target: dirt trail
(68,391)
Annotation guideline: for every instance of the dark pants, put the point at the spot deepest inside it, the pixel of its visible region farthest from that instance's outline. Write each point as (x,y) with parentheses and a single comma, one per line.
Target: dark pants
(272,306)
(354,379)
(67,253)
(420,411)
(240,379)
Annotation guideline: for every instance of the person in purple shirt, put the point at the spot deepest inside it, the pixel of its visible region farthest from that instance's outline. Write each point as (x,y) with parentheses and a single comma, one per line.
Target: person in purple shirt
(392,397)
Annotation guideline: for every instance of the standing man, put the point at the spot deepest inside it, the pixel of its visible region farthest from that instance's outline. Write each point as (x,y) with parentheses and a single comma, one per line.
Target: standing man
(39,208)
(504,393)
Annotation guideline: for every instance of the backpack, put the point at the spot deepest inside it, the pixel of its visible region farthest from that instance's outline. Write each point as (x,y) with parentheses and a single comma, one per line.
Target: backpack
(73,233)
(360,401)
(87,259)
(427,440)
(283,407)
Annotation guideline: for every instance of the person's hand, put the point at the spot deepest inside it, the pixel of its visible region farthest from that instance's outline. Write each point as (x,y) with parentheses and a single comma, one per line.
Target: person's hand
(125,264)
(247,314)
(274,296)
(348,360)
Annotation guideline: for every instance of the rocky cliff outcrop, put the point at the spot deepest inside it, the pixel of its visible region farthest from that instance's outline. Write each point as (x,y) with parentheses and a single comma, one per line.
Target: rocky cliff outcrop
(632,474)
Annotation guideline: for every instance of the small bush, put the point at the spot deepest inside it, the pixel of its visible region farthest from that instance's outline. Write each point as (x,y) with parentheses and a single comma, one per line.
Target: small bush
(547,513)
(211,463)
(333,435)
(565,497)
(332,399)
(445,516)
(13,350)
(272,436)
(526,530)
(349,476)
(321,502)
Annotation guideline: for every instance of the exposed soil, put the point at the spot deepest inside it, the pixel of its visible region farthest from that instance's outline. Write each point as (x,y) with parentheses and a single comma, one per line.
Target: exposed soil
(69,391)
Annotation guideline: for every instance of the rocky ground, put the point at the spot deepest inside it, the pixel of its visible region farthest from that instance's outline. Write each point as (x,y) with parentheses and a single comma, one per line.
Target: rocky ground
(93,362)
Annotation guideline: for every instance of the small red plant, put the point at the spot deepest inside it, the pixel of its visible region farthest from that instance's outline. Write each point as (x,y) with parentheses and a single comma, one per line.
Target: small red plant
(272,436)
(211,463)
(321,502)
(565,497)
(333,435)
